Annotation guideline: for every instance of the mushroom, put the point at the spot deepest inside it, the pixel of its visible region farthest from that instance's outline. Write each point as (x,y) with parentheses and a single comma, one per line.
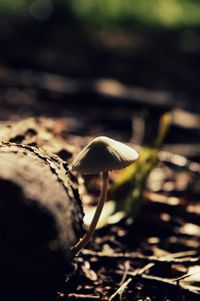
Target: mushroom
(101,155)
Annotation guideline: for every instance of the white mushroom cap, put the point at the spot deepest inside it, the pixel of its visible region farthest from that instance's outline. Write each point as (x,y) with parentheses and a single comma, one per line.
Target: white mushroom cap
(103,154)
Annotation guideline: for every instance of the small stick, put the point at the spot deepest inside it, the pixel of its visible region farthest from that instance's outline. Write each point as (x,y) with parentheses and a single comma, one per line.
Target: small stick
(136,256)
(120,289)
(123,286)
(186,276)
(166,283)
(83,296)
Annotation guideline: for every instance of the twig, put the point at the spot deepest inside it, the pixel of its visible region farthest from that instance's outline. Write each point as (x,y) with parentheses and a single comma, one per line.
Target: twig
(123,284)
(136,256)
(126,268)
(164,282)
(120,289)
(141,271)
(185,276)
(83,296)
(181,254)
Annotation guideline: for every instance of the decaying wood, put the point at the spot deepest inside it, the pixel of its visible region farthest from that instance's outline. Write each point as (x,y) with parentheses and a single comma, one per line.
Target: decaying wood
(40,218)
(47,133)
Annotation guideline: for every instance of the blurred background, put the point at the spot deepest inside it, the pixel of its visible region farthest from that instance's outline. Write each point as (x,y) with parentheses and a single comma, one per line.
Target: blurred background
(129,70)
(116,65)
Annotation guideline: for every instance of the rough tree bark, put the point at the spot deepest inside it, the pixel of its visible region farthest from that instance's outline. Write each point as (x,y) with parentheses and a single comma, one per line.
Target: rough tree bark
(40,220)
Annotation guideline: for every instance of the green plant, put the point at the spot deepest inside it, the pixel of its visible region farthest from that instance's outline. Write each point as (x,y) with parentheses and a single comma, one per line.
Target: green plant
(128,188)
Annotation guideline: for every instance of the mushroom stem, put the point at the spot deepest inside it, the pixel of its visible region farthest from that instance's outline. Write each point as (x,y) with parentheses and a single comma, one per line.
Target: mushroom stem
(86,238)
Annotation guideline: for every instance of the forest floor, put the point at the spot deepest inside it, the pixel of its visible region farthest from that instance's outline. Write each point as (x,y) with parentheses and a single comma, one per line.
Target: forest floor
(157,255)
(62,83)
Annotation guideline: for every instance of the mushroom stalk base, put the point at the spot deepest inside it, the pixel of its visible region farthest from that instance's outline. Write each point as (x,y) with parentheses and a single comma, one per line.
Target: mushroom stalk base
(86,238)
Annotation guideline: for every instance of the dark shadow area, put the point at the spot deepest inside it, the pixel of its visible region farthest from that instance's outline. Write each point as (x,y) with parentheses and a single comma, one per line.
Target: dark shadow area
(155,58)
(29,268)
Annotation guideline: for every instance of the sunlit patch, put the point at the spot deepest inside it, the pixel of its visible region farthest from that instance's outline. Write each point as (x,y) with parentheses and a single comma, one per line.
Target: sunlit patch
(194,167)
(110,87)
(182,181)
(180,268)
(106,215)
(121,233)
(160,252)
(179,160)
(191,243)
(192,280)
(173,201)
(193,209)
(169,186)
(185,119)
(153,240)
(159,198)
(165,217)
(190,229)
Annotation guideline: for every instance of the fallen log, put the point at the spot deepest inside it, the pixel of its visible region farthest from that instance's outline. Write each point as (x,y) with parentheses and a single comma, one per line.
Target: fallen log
(40,221)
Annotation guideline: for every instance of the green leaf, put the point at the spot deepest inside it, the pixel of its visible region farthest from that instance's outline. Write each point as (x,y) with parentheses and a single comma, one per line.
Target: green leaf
(129,186)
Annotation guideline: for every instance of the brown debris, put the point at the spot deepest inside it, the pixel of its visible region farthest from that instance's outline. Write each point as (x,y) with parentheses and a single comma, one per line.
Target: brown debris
(47,133)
